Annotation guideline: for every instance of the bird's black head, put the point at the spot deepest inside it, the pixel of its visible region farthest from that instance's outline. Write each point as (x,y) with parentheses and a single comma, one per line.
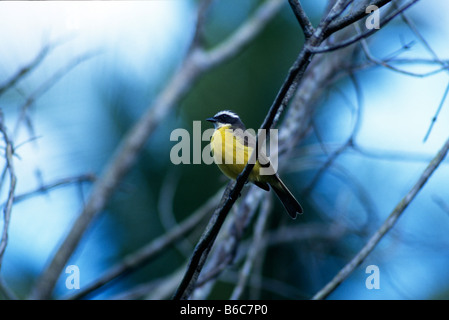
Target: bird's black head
(227,117)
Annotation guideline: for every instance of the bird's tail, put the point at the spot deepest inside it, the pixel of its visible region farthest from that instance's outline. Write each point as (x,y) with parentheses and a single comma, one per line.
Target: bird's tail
(288,200)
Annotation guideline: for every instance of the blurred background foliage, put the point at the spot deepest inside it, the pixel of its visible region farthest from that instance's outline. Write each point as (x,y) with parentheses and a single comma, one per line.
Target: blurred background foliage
(80,120)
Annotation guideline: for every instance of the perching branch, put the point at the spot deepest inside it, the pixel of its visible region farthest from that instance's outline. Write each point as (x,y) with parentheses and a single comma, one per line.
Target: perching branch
(294,77)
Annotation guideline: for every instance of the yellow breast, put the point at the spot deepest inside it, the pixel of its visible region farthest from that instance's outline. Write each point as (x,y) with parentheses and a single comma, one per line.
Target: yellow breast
(230,154)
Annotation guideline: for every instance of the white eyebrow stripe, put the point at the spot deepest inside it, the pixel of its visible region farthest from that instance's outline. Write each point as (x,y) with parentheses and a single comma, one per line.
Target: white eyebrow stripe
(227,112)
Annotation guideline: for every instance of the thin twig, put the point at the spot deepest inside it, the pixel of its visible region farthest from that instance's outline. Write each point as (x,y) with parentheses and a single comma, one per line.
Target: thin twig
(12,186)
(203,246)
(435,116)
(363,35)
(387,65)
(385,227)
(26,69)
(349,142)
(53,185)
(302,18)
(443,64)
(46,85)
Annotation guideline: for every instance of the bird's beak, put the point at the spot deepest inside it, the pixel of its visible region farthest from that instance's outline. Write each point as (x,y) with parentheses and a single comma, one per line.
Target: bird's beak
(213,120)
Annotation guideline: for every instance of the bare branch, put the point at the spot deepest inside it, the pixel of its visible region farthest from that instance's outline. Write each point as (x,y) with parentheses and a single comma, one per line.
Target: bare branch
(26,69)
(385,63)
(353,16)
(435,117)
(363,35)
(12,186)
(386,226)
(53,185)
(151,250)
(302,18)
(46,85)
(349,142)
(443,64)
(196,63)
(290,84)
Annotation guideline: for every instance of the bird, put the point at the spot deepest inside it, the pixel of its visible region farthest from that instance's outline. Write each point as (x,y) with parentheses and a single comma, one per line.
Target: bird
(231,145)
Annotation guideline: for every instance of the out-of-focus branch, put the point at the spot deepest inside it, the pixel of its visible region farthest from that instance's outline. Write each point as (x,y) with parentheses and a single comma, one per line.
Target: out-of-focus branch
(349,142)
(26,69)
(32,65)
(385,63)
(53,185)
(46,85)
(9,151)
(197,62)
(386,226)
(365,34)
(6,291)
(151,250)
(244,35)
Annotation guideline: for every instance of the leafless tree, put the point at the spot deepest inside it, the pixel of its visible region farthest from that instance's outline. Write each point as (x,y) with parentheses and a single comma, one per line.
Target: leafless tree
(322,60)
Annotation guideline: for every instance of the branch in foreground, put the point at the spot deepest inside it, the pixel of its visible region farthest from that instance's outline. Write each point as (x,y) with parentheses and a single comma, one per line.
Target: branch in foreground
(385,227)
(285,93)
